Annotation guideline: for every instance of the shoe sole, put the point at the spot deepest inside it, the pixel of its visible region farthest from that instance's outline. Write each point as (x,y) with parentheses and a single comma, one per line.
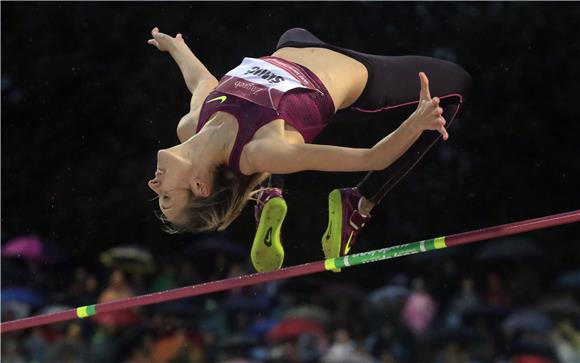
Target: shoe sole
(267,252)
(333,234)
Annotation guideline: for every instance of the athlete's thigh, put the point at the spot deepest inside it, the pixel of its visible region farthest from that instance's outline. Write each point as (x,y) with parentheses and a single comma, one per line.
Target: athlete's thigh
(394,80)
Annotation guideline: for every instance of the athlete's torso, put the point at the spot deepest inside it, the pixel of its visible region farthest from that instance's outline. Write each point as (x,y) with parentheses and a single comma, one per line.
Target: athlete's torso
(302,113)
(294,113)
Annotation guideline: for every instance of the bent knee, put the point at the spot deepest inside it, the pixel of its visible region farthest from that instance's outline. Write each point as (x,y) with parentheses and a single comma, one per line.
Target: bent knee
(297,35)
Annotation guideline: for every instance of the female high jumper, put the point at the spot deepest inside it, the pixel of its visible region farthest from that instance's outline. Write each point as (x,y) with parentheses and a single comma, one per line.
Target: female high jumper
(262,117)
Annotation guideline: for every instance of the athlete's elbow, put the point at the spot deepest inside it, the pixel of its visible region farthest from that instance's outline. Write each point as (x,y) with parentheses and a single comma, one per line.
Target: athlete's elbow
(371,160)
(208,81)
(185,128)
(378,165)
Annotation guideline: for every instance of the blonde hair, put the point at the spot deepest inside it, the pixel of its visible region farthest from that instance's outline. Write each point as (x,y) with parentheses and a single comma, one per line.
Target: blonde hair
(231,192)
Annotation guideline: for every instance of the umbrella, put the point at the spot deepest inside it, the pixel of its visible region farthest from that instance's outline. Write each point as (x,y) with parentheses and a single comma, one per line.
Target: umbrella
(30,248)
(510,248)
(22,295)
(390,294)
(308,312)
(291,329)
(569,280)
(262,326)
(128,258)
(528,320)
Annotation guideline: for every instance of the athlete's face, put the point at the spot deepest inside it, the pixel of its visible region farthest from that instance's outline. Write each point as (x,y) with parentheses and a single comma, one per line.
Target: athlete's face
(174,183)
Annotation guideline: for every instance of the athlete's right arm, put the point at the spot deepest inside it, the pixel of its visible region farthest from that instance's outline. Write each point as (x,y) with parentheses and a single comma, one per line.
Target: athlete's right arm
(188,123)
(193,71)
(198,79)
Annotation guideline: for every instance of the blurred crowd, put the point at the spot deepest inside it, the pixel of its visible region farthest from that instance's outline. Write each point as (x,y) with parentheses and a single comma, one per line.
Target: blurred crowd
(501,311)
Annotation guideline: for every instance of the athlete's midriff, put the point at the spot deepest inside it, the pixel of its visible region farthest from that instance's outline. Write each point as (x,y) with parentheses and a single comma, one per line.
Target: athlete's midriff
(308,110)
(344,77)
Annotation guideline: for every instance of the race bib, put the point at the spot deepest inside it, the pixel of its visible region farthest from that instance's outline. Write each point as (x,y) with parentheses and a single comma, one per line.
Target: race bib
(264,81)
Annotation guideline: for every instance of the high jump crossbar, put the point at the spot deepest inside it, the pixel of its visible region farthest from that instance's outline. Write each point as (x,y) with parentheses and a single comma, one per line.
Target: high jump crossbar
(299,270)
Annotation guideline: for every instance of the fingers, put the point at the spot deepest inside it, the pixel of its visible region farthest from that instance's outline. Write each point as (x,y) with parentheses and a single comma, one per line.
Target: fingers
(157,34)
(441,128)
(161,40)
(435,101)
(443,133)
(425,95)
(438,111)
(154,34)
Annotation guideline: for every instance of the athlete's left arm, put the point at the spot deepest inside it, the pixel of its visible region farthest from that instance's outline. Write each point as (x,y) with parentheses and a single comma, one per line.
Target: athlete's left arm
(273,156)
(269,156)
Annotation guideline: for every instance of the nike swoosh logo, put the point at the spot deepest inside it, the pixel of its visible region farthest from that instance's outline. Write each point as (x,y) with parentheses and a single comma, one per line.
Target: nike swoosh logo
(222,99)
(347,247)
(268,238)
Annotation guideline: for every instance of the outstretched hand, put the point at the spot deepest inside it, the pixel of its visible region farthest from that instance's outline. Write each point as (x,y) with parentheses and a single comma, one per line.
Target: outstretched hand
(428,115)
(164,42)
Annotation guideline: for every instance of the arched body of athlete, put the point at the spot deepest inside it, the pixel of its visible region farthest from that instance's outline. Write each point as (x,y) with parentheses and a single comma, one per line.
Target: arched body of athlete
(262,117)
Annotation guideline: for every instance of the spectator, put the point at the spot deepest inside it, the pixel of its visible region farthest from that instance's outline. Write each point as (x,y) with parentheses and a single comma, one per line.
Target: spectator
(465,300)
(10,351)
(344,350)
(71,349)
(35,345)
(419,309)
(117,289)
(84,288)
(497,295)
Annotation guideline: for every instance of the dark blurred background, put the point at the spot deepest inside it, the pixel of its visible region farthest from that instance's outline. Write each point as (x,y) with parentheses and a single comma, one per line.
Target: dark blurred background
(86,104)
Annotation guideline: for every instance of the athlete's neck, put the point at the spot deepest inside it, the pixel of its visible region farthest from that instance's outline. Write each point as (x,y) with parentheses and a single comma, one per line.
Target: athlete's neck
(210,147)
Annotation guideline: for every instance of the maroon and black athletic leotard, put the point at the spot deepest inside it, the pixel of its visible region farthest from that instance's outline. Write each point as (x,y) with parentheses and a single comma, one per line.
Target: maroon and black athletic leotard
(306,110)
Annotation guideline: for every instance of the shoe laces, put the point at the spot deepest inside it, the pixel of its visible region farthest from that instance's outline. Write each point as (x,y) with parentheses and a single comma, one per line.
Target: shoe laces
(357,220)
(266,194)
